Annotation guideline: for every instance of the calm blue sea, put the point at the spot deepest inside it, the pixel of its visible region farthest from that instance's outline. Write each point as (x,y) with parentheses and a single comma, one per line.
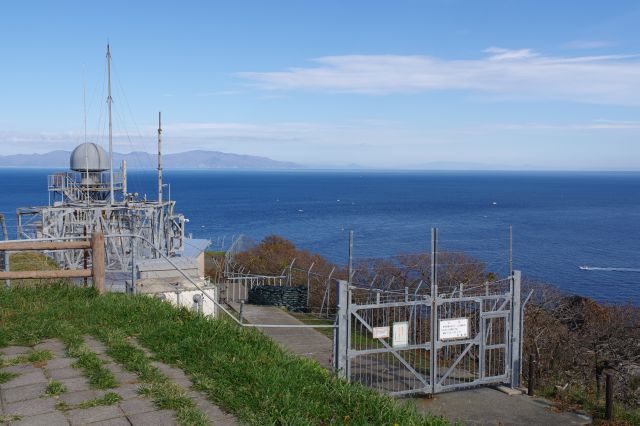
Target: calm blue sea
(560,220)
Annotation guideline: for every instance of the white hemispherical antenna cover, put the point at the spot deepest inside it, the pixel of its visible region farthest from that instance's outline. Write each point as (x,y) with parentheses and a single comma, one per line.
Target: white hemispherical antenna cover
(89,157)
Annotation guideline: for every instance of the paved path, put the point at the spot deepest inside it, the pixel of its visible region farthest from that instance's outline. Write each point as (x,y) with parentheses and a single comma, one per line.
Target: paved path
(305,342)
(481,406)
(487,406)
(22,399)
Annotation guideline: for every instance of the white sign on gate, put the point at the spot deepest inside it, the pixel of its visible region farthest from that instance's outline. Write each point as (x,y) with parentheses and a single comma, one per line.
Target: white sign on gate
(400,334)
(455,328)
(380,332)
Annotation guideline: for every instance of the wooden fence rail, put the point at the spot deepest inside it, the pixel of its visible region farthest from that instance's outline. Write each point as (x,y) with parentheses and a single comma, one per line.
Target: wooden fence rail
(96,272)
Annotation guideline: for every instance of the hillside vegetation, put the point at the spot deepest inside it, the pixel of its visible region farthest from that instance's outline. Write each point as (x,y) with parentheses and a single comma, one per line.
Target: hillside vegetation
(574,340)
(239,369)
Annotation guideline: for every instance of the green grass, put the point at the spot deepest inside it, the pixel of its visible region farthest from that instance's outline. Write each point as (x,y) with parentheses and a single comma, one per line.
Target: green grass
(7,419)
(30,358)
(6,376)
(92,366)
(55,388)
(110,398)
(576,397)
(157,386)
(238,368)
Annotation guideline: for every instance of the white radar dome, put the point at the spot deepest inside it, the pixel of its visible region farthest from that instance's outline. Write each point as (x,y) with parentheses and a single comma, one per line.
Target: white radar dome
(89,157)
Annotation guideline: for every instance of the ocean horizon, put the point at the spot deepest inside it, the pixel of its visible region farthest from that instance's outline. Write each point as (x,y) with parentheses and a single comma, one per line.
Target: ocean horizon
(562,220)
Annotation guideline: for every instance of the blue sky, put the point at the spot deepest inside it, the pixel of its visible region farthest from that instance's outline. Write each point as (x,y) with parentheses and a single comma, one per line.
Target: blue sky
(402,84)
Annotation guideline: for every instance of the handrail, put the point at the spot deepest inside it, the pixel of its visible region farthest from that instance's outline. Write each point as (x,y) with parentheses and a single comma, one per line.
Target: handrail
(24,245)
(97,270)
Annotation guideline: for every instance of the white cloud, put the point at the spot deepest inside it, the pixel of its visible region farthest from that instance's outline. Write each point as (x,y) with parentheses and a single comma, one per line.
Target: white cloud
(587,44)
(608,125)
(519,74)
(500,54)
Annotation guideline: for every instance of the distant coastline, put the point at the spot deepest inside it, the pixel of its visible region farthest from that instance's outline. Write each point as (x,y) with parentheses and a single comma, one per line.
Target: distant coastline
(191,160)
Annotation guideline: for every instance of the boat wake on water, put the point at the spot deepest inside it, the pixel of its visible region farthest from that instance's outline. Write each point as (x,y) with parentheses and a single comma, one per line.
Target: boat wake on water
(597,268)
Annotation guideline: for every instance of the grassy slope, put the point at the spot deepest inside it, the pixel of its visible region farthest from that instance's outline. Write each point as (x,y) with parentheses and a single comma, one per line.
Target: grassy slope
(239,369)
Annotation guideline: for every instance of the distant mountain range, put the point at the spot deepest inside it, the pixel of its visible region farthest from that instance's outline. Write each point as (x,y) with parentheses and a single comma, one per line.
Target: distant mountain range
(144,160)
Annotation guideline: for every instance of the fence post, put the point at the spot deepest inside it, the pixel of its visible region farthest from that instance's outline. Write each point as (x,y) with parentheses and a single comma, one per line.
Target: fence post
(609,397)
(5,253)
(532,376)
(516,356)
(98,256)
(433,365)
(342,338)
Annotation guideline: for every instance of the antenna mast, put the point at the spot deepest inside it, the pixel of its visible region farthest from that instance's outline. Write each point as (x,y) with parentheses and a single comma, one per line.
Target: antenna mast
(110,101)
(160,157)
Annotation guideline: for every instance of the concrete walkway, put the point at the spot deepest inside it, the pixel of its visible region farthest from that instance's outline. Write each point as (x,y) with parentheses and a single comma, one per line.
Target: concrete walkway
(481,406)
(305,342)
(487,406)
(23,400)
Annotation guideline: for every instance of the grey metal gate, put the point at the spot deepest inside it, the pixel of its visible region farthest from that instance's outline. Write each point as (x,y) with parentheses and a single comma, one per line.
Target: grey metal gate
(428,340)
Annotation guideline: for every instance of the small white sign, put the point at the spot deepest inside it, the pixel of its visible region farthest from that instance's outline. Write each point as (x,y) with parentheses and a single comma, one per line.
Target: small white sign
(380,332)
(400,334)
(456,328)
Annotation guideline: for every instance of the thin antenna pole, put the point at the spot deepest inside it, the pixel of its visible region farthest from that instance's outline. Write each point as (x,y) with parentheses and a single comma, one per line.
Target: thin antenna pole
(160,157)
(84,101)
(510,250)
(350,270)
(110,101)
(86,151)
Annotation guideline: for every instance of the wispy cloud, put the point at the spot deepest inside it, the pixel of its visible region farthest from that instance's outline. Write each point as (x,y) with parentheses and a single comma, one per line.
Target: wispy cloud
(587,44)
(519,74)
(604,125)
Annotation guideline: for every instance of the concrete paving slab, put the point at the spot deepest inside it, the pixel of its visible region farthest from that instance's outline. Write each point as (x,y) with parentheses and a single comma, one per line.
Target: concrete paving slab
(55,418)
(127,391)
(14,350)
(25,379)
(75,384)
(54,345)
(119,421)
(125,377)
(20,369)
(180,378)
(214,413)
(73,398)
(59,362)
(23,392)
(31,407)
(113,367)
(94,414)
(154,418)
(169,371)
(137,406)
(95,345)
(65,373)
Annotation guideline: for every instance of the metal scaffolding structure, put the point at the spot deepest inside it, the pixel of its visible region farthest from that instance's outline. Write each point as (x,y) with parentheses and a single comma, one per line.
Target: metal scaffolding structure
(92,197)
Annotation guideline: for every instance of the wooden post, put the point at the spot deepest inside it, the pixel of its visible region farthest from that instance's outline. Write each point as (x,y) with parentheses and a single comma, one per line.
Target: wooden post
(532,375)
(609,397)
(98,255)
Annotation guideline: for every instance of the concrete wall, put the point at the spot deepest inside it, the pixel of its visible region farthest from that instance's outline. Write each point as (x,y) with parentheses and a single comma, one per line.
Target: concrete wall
(200,260)
(185,298)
